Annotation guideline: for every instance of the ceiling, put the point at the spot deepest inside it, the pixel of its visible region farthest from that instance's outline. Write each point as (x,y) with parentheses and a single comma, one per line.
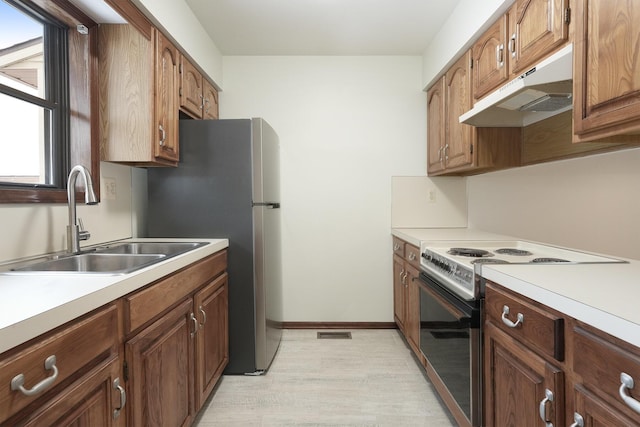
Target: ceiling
(322,27)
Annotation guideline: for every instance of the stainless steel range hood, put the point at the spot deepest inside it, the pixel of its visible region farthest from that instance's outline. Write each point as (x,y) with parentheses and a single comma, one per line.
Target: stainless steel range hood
(543,91)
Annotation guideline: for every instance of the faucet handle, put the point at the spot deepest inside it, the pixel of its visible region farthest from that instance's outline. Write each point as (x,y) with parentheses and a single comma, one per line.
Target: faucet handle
(82,233)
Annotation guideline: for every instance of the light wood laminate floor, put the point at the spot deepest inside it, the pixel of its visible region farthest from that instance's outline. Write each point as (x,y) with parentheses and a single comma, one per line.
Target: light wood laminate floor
(369,380)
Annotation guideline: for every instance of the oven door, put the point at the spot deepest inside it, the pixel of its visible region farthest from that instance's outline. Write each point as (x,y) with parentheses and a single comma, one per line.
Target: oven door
(450,340)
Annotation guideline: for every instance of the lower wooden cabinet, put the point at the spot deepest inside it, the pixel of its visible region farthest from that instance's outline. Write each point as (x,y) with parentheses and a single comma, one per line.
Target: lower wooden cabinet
(160,363)
(177,357)
(520,386)
(96,399)
(527,377)
(212,339)
(150,358)
(406,293)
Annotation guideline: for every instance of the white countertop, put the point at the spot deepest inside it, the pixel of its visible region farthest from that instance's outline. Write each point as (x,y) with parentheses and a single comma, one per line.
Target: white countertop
(606,296)
(415,235)
(32,304)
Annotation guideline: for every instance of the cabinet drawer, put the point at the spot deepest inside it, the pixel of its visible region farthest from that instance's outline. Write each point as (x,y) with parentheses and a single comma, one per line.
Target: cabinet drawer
(75,346)
(412,254)
(541,329)
(143,306)
(398,247)
(599,362)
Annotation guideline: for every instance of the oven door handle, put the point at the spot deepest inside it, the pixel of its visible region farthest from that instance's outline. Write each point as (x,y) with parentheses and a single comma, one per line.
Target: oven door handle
(460,315)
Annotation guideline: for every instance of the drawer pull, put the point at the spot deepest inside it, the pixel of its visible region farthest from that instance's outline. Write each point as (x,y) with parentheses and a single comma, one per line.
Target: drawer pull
(17,383)
(204,316)
(548,397)
(123,397)
(509,323)
(627,383)
(396,246)
(412,256)
(578,421)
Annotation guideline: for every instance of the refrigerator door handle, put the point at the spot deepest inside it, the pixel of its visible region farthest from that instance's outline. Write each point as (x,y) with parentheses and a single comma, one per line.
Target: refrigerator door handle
(269,205)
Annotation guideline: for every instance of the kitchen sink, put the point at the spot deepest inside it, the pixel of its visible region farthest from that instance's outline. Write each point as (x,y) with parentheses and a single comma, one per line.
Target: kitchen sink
(119,258)
(93,263)
(164,248)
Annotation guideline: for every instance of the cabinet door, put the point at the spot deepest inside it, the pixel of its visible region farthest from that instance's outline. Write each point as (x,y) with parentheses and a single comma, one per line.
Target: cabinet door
(212,339)
(93,400)
(160,363)
(191,89)
(167,102)
(459,136)
(412,323)
(490,59)
(516,381)
(595,412)
(211,109)
(537,27)
(435,127)
(606,82)
(399,281)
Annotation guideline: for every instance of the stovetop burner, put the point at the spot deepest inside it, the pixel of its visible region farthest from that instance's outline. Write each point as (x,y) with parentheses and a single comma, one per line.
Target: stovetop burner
(489,261)
(549,260)
(469,252)
(513,251)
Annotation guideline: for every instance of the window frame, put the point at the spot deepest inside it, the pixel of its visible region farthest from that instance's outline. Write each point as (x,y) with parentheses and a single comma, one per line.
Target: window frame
(82,133)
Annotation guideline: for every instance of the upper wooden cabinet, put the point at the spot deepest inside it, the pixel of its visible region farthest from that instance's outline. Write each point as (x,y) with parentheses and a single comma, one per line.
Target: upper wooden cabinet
(435,127)
(211,109)
(198,97)
(138,97)
(456,148)
(191,89)
(536,28)
(166,147)
(459,137)
(490,59)
(606,82)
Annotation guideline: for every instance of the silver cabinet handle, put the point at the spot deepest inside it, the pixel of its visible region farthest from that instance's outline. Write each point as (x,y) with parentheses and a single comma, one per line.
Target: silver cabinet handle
(163,135)
(17,383)
(627,383)
(548,397)
(500,55)
(446,152)
(509,323)
(404,279)
(204,316)
(578,421)
(396,246)
(195,325)
(440,154)
(512,45)
(412,256)
(123,398)
(402,274)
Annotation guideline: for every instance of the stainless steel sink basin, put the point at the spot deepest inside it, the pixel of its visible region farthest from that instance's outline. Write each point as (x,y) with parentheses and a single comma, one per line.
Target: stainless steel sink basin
(164,248)
(93,263)
(120,258)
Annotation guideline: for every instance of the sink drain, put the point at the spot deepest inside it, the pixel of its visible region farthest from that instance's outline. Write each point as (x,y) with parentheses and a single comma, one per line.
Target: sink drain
(334,335)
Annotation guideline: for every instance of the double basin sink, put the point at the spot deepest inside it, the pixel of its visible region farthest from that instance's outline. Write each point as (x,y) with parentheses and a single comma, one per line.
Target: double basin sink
(119,258)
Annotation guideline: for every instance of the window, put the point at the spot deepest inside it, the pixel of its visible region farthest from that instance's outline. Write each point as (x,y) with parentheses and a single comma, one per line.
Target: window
(34,113)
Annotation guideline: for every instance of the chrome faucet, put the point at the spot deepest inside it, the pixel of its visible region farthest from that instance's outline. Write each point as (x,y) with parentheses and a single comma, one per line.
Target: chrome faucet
(75,233)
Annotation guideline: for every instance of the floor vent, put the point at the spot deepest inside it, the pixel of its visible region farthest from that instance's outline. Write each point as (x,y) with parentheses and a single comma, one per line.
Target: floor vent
(334,335)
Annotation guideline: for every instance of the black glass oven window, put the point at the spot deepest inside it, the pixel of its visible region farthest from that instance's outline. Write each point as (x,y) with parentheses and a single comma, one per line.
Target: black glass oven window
(445,341)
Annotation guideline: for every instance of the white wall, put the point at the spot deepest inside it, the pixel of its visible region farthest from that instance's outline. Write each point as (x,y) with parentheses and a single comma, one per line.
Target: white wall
(346,125)
(176,17)
(467,22)
(590,203)
(35,229)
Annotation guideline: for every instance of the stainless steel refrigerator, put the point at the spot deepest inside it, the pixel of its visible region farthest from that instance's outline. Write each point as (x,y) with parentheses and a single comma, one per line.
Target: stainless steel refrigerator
(227,185)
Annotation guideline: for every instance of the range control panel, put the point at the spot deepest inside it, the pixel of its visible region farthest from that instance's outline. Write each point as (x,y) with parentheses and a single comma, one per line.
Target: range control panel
(448,270)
